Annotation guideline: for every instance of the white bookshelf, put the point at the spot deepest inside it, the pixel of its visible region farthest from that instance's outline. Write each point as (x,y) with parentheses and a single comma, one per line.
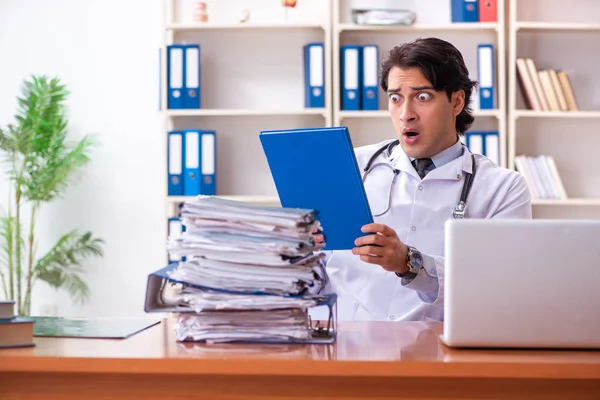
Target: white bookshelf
(561,37)
(554,26)
(252,79)
(194,26)
(567,202)
(557,114)
(371,126)
(234,112)
(418,27)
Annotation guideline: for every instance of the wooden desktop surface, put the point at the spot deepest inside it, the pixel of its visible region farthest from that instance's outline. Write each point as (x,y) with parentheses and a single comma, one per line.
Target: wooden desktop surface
(370,360)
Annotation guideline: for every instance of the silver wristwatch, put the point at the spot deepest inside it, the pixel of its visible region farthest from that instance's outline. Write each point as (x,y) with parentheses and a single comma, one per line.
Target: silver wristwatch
(414,262)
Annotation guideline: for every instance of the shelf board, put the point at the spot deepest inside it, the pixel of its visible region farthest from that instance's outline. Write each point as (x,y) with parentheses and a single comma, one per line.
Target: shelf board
(254,199)
(555,26)
(556,114)
(224,112)
(464,26)
(385,114)
(364,114)
(282,25)
(567,202)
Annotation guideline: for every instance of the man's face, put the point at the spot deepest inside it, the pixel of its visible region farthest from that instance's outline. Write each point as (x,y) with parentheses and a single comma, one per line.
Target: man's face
(424,119)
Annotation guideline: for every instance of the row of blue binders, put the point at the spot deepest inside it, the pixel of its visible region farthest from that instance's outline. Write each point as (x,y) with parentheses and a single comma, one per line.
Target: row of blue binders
(191,162)
(359,77)
(486,143)
(184,71)
(183,76)
(360,82)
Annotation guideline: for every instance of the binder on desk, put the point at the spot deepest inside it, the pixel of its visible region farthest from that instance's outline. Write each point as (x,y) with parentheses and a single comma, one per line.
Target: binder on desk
(336,191)
(175,163)
(485,68)
(370,88)
(314,75)
(350,82)
(191,93)
(175,63)
(465,10)
(162,297)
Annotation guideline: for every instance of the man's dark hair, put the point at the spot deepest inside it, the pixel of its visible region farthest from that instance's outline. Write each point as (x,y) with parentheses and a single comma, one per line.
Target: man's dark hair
(442,64)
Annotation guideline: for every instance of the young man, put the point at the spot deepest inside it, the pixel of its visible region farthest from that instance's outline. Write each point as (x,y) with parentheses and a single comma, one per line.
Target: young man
(414,188)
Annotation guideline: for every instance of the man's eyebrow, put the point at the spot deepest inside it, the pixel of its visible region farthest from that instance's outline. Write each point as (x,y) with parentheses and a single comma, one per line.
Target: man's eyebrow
(415,88)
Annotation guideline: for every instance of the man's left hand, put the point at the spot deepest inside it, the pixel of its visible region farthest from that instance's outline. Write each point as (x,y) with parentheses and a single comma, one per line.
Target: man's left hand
(382,247)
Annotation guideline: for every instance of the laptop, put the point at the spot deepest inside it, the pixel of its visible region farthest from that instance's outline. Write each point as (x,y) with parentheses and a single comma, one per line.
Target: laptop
(522,283)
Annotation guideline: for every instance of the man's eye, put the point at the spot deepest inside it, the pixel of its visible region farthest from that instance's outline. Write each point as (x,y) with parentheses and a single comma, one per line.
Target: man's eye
(394,98)
(424,96)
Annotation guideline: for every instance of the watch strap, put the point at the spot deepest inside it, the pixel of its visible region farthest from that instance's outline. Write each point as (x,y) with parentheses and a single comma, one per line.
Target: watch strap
(407,275)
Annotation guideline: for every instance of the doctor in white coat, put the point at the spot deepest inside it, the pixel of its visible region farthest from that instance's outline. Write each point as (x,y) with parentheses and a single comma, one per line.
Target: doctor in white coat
(414,185)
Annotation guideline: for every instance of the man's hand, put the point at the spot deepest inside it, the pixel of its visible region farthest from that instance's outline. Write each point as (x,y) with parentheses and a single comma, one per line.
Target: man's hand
(317,236)
(383,248)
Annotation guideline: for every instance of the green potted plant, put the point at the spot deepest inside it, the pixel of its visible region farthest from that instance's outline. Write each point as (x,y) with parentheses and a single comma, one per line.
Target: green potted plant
(41,163)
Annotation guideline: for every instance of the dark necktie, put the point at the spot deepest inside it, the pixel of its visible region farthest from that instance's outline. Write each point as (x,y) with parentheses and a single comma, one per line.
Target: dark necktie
(421,165)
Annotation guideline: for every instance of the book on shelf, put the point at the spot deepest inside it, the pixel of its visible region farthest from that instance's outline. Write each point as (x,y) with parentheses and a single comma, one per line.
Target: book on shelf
(542,176)
(545,89)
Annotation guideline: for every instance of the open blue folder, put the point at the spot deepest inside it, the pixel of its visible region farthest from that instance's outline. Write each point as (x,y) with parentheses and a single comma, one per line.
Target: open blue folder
(316,169)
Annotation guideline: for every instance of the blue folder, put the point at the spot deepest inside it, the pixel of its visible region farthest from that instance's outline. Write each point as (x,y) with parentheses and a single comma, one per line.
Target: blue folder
(316,169)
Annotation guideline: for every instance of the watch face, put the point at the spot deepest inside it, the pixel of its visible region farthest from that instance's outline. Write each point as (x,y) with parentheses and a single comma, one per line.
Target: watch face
(416,260)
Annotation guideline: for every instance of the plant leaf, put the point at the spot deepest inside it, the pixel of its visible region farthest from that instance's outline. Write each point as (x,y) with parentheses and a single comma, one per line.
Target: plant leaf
(61,267)
(44,160)
(8,226)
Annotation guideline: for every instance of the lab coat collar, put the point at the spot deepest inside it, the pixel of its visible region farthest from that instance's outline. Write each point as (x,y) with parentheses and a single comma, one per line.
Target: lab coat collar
(402,162)
(450,154)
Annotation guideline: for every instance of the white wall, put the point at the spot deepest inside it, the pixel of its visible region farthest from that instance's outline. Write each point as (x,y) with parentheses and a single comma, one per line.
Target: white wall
(106,51)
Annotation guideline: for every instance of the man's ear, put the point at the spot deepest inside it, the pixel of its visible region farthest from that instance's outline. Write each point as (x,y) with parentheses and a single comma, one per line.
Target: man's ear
(458,102)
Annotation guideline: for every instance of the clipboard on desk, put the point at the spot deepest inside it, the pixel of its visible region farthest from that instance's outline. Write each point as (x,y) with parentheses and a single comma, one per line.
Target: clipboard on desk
(161,297)
(316,168)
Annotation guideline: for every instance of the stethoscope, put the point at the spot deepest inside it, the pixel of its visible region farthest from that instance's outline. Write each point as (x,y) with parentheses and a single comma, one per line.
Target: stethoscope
(458,212)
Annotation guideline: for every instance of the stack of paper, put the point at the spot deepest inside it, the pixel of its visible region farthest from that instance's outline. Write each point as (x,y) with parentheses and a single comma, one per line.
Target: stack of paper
(249,272)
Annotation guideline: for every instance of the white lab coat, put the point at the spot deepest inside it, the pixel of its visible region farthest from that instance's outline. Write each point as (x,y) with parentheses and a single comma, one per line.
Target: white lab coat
(419,210)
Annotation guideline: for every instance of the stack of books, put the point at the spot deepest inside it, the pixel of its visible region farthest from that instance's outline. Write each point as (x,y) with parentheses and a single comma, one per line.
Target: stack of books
(14,331)
(248,274)
(542,176)
(545,89)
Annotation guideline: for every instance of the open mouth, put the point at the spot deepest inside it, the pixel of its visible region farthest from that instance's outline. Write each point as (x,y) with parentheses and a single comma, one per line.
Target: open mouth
(410,136)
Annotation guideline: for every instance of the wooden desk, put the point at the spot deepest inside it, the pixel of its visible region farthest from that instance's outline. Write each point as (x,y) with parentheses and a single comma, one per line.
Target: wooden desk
(370,360)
